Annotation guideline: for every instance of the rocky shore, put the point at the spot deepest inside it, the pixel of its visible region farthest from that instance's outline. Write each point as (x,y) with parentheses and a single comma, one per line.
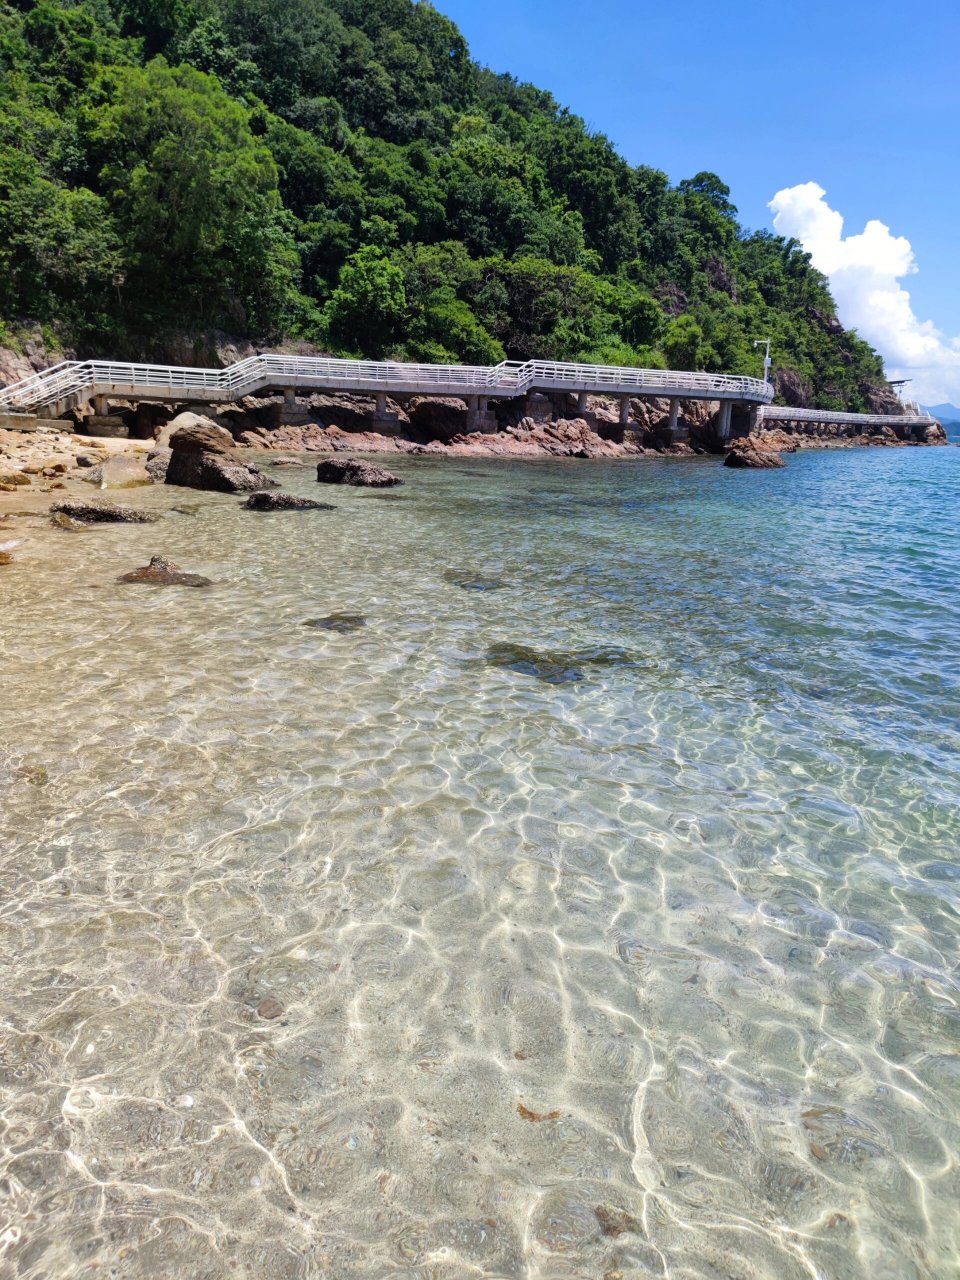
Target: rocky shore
(135,449)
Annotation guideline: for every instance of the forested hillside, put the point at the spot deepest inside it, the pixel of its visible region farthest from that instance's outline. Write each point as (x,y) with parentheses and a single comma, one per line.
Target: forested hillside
(341,171)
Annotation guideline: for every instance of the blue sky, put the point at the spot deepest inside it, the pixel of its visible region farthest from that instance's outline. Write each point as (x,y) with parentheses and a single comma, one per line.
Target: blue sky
(861,97)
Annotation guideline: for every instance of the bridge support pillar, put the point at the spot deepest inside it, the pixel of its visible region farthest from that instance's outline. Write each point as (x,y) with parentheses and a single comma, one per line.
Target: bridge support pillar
(624,410)
(100,406)
(723,421)
(479,417)
(674,417)
(583,399)
(384,422)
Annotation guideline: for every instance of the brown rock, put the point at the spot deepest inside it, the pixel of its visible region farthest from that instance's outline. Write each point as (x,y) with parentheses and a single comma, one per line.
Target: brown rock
(13,478)
(355,471)
(6,557)
(269,1008)
(197,435)
(164,573)
(203,457)
(749,452)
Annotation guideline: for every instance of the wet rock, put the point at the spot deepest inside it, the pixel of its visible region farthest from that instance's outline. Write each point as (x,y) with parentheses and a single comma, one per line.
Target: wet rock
(338,622)
(88,460)
(284,502)
(63,521)
(101,513)
(288,462)
(6,557)
(553,666)
(474,582)
(536,1117)
(13,479)
(749,452)
(202,457)
(164,573)
(269,1008)
(217,472)
(616,1222)
(157,463)
(355,471)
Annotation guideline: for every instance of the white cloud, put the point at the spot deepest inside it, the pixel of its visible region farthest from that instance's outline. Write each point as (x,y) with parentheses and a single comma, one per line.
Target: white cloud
(865,271)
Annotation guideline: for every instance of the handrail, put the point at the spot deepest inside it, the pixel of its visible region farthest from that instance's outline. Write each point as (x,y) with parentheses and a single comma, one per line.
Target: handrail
(783,413)
(84,379)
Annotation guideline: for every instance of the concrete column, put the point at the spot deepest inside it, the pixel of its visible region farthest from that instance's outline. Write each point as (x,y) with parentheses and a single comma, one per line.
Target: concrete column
(473,412)
(289,396)
(100,406)
(381,403)
(624,410)
(582,402)
(723,421)
(674,416)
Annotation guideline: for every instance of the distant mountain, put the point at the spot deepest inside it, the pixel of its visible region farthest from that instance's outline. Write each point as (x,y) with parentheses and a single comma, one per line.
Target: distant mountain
(948,415)
(944,412)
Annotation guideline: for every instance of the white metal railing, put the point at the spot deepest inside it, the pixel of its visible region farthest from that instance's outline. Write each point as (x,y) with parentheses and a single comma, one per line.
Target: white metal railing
(781,413)
(80,380)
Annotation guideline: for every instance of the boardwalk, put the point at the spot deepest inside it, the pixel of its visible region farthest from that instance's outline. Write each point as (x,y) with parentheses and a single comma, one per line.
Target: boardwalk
(74,384)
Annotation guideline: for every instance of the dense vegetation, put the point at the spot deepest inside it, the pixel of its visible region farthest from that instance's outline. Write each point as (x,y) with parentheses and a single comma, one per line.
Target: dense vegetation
(342,172)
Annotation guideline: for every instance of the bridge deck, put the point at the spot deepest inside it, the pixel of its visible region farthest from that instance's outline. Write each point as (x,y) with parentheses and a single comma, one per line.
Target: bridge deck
(75,382)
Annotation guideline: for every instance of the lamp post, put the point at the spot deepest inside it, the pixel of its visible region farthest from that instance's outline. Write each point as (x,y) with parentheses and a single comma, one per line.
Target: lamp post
(767,362)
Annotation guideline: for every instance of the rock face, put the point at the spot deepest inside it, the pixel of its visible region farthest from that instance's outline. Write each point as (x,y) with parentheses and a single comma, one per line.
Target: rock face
(356,472)
(164,573)
(202,457)
(102,513)
(748,451)
(284,502)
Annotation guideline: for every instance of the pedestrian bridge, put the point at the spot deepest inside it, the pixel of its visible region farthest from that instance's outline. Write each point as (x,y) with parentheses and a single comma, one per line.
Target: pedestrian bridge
(75,384)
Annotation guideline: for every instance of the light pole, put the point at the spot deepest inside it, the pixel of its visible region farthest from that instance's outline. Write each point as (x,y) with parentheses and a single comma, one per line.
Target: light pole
(767,362)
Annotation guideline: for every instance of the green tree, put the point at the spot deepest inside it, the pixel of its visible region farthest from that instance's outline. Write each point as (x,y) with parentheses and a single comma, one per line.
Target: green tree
(368,306)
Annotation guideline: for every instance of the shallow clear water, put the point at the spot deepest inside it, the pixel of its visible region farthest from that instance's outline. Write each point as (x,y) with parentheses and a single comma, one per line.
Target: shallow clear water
(358,954)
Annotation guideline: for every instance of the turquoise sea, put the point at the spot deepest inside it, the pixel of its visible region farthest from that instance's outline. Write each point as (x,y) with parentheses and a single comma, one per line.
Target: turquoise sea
(592,910)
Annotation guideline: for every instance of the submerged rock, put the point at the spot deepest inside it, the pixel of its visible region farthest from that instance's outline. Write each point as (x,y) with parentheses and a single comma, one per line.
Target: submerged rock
(284,502)
(119,472)
(6,557)
(13,479)
(338,622)
(164,573)
(553,666)
(749,452)
(355,471)
(474,582)
(100,513)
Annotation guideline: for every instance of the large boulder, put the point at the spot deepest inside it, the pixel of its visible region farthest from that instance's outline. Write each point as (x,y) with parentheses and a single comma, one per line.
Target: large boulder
(749,452)
(191,422)
(355,471)
(202,457)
